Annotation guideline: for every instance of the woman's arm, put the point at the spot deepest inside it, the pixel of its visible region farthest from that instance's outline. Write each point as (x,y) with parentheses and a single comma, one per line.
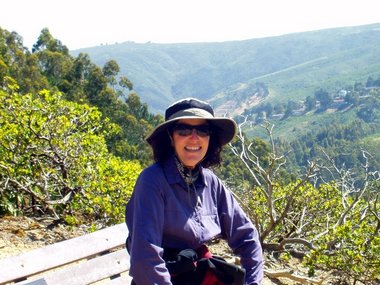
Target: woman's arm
(241,235)
(144,217)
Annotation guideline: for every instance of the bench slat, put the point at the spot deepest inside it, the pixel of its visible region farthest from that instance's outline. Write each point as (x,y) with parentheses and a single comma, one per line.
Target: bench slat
(89,271)
(61,253)
(38,282)
(122,280)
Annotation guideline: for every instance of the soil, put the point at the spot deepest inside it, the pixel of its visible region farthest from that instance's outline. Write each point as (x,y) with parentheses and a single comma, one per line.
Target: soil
(21,234)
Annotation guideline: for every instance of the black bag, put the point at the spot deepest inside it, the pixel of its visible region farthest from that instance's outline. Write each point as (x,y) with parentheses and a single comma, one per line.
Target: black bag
(188,269)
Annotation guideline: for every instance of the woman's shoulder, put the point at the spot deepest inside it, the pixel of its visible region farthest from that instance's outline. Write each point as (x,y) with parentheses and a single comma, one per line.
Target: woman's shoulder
(210,176)
(208,172)
(151,171)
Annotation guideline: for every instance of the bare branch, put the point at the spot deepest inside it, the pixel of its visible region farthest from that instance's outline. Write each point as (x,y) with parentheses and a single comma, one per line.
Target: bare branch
(302,241)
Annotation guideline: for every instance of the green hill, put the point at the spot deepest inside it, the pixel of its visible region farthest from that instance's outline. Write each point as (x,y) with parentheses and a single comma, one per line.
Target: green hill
(292,66)
(245,77)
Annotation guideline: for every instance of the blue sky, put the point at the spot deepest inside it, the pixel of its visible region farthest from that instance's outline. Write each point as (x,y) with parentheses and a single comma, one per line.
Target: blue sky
(86,23)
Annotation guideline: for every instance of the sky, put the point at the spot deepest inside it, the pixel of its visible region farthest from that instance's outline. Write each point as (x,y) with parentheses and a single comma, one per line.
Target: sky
(87,23)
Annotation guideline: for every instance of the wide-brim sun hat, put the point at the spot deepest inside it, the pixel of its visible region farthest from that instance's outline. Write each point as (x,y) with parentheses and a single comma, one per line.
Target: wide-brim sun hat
(192,108)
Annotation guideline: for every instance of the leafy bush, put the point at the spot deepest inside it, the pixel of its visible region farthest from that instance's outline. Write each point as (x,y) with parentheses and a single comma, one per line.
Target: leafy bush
(54,159)
(333,226)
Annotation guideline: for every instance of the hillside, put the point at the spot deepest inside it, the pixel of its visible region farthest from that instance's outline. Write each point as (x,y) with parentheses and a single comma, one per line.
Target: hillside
(72,151)
(292,66)
(246,77)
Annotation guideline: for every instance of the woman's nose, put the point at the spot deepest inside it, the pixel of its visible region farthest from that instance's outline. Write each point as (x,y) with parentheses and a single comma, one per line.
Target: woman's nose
(194,133)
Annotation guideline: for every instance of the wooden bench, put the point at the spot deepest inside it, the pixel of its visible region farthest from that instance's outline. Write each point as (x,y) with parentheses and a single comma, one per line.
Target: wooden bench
(96,258)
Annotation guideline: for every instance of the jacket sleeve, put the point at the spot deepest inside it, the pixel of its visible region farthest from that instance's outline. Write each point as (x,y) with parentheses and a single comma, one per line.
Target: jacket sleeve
(241,235)
(144,217)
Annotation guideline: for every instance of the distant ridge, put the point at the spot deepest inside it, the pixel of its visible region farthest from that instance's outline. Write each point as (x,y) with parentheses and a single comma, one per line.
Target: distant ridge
(292,66)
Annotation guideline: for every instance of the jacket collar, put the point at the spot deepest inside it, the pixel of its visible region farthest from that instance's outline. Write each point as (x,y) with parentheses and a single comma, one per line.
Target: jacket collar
(174,177)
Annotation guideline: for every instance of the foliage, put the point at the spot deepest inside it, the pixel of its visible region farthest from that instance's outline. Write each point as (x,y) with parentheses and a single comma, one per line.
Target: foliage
(355,253)
(343,141)
(111,186)
(70,139)
(54,159)
(332,226)
(343,129)
(233,171)
(51,67)
(291,66)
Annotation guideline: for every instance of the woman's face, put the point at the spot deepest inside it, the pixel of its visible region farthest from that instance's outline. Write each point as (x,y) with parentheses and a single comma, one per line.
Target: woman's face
(191,146)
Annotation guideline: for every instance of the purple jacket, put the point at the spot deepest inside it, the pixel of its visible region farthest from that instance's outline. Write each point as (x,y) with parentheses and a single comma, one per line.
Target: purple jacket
(164,212)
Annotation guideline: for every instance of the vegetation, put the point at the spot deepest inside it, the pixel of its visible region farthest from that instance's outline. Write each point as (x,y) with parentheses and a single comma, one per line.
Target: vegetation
(342,123)
(54,160)
(292,66)
(71,147)
(71,142)
(51,67)
(333,226)
(313,86)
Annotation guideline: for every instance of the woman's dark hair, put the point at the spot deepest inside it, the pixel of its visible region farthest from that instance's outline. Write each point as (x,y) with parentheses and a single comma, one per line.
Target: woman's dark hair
(163,149)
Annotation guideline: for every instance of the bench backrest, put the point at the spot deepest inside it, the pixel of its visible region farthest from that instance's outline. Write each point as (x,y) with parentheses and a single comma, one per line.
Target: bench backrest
(100,255)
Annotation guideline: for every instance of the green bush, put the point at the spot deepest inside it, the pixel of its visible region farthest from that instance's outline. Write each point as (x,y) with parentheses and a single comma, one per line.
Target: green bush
(333,226)
(54,159)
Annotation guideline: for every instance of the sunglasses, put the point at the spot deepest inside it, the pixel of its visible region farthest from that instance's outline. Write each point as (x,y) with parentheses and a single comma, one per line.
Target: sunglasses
(186,130)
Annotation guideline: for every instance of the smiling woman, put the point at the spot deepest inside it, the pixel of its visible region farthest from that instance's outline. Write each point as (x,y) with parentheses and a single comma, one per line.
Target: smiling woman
(178,205)
(190,139)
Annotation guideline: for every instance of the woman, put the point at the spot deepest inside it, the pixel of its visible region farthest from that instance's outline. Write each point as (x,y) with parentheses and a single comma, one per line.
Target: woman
(178,204)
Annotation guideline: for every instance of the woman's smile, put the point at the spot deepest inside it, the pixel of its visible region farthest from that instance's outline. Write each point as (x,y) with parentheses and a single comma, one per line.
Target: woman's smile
(191,144)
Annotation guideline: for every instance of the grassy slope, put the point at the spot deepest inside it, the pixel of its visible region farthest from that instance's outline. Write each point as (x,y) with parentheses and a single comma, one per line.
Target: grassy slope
(292,67)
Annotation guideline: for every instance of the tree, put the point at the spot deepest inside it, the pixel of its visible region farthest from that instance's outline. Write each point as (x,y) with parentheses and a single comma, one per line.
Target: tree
(332,225)
(358,87)
(110,70)
(324,98)
(350,242)
(17,62)
(47,42)
(77,77)
(55,66)
(310,103)
(369,110)
(51,67)
(290,108)
(370,82)
(125,83)
(352,98)
(94,86)
(54,160)
(268,109)
(279,108)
